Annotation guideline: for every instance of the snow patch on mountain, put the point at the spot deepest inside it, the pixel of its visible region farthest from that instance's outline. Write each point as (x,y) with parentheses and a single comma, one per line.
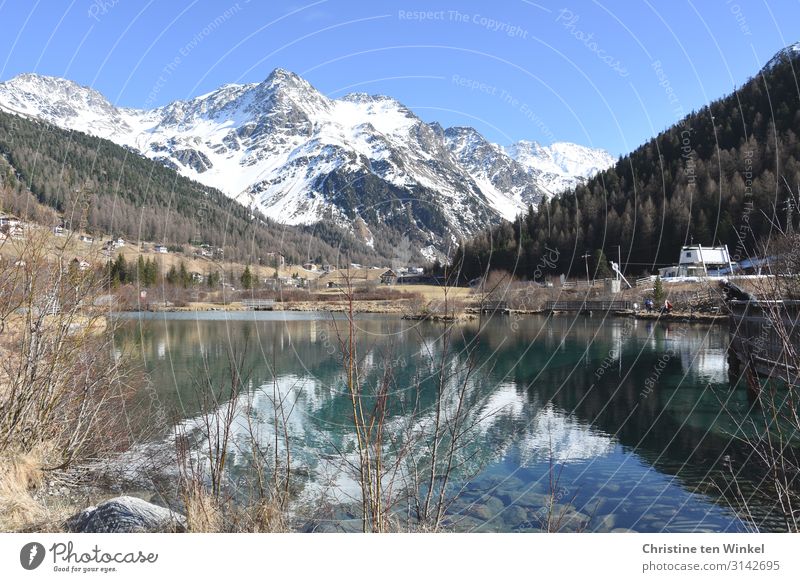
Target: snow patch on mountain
(560,166)
(301,157)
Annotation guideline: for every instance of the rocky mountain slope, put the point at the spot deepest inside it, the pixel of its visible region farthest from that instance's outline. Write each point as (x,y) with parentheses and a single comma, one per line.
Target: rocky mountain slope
(362,162)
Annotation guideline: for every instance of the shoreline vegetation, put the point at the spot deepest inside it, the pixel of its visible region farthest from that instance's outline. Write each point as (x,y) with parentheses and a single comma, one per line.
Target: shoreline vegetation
(467,314)
(64,444)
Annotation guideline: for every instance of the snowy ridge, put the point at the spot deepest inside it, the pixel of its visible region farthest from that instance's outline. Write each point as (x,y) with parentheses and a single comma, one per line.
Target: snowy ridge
(301,157)
(791,52)
(560,166)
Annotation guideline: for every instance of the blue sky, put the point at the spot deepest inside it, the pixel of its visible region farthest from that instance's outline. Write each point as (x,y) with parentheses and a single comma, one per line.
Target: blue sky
(609,74)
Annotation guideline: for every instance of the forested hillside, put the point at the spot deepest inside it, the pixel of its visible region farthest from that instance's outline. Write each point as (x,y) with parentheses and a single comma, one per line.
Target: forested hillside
(718,176)
(101,187)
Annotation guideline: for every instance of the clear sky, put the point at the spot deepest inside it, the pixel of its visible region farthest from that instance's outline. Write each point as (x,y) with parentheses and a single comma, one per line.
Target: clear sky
(609,74)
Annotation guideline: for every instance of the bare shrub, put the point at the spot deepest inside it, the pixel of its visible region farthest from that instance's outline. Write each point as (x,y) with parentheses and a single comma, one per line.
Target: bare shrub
(62,383)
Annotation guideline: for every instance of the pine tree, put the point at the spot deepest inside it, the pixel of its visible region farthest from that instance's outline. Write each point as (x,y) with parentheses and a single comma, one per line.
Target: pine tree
(658,291)
(172,276)
(141,271)
(601,265)
(213,279)
(247,278)
(183,276)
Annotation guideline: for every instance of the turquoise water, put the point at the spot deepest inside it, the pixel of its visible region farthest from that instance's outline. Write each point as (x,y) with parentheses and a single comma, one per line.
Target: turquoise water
(622,424)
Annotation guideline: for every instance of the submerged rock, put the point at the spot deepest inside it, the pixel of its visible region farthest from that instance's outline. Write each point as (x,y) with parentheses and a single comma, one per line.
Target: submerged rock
(126,515)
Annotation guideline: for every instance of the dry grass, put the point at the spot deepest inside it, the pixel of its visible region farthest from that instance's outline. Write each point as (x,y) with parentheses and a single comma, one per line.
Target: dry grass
(203,514)
(21,476)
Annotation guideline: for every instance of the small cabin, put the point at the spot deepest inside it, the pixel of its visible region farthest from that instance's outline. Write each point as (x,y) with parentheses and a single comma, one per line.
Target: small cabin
(80,264)
(700,261)
(160,249)
(9,221)
(389,277)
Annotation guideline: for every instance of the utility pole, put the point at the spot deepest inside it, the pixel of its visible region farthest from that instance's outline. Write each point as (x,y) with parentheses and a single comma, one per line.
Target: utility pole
(586,260)
(619,261)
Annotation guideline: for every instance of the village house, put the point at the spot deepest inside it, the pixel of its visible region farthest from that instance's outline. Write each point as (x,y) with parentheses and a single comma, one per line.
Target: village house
(11,226)
(80,264)
(700,261)
(389,277)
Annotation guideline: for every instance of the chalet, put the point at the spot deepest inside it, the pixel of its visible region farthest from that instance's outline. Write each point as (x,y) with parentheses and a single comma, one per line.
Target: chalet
(309,266)
(85,238)
(80,264)
(700,261)
(11,226)
(160,249)
(389,277)
(9,221)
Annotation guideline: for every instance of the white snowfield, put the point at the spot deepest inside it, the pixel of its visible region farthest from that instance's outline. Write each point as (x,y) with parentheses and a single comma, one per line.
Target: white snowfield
(274,144)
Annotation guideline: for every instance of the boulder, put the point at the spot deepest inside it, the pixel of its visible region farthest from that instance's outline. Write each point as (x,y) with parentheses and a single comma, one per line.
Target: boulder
(126,515)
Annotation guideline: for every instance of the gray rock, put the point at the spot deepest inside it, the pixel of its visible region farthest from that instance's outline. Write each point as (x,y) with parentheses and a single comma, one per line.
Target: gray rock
(126,515)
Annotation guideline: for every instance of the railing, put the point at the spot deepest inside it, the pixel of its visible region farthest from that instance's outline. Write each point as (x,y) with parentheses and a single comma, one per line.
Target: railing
(580,283)
(611,305)
(641,282)
(258,304)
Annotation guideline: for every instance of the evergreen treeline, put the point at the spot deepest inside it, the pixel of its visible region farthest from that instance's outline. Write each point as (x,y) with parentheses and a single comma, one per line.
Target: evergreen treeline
(715,177)
(101,187)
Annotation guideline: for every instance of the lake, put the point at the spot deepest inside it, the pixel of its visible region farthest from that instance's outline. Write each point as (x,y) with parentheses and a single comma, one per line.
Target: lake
(624,423)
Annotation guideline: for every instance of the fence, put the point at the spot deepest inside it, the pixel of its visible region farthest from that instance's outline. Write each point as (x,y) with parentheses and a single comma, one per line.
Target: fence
(611,305)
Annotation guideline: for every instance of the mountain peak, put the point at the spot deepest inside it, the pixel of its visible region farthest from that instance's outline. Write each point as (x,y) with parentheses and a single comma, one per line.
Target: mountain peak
(280,76)
(38,83)
(51,98)
(790,52)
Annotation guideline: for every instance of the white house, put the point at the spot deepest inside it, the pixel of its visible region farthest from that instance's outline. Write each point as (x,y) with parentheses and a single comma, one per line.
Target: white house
(11,226)
(80,264)
(700,261)
(160,249)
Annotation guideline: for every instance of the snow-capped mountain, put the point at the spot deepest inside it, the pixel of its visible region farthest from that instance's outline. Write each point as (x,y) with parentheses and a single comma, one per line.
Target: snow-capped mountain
(790,52)
(560,166)
(362,161)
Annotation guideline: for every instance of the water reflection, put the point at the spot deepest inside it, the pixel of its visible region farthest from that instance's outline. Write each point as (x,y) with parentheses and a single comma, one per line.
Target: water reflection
(629,410)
